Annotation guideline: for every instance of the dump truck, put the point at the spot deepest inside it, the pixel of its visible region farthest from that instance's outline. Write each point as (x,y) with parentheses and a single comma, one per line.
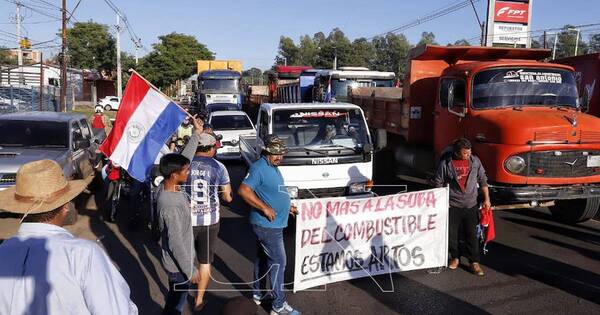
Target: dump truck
(522,115)
(219,82)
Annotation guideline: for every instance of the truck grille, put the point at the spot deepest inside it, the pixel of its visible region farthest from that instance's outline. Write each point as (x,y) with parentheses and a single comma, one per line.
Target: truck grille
(8,179)
(560,163)
(321,192)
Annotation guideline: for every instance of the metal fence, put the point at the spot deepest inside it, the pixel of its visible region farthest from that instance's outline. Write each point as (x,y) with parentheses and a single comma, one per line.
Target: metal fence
(22,98)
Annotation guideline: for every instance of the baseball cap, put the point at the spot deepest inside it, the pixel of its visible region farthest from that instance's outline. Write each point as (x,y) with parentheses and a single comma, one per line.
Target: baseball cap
(207,140)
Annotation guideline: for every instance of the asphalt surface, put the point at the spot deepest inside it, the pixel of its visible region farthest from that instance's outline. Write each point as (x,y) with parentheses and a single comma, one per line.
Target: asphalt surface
(535,265)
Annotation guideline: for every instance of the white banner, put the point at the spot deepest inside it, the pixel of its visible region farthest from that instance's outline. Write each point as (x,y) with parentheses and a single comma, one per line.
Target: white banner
(340,239)
(510,33)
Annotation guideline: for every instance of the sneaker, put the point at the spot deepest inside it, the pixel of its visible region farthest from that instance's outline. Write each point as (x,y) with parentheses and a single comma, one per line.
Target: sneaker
(259,299)
(453,263)
(286,309)
(476,269)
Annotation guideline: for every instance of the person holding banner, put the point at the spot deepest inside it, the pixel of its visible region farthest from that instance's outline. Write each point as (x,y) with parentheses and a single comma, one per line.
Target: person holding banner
(464,174)
(263,189)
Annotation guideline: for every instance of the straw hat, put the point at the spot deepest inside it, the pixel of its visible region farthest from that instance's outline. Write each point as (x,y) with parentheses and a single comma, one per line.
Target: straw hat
(41,187)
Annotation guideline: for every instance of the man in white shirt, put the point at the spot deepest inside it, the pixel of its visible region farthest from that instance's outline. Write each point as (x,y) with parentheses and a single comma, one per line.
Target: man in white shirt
(44,269)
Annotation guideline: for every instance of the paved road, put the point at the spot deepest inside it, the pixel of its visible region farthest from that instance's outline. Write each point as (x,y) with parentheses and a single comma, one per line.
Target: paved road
(535,265)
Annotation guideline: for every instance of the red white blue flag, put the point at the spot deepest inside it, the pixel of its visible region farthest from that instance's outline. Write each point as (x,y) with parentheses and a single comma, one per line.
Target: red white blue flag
(145,121)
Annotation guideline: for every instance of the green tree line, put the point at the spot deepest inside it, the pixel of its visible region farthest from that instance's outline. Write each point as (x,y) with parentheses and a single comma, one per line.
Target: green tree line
(390,52)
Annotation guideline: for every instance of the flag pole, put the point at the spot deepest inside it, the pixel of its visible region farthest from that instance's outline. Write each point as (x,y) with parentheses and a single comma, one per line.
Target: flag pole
(159,91)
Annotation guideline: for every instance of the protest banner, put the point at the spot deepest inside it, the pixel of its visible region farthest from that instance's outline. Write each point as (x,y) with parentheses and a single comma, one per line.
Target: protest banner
(341,238)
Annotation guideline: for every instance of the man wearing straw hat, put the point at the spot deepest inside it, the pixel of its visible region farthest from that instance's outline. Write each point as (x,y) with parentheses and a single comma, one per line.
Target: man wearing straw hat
(44,269)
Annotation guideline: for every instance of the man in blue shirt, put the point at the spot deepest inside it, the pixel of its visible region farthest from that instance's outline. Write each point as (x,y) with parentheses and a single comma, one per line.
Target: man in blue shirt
(263,189)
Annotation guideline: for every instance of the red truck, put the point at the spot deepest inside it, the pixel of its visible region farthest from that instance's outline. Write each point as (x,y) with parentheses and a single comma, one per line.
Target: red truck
(522,116)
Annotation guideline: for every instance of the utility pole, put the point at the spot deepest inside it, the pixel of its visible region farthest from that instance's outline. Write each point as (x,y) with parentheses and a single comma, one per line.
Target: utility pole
(334,58)
(137,46)
(554,47)
(577,42)
(545,40)
(63,66)
(18,22)
(119,82)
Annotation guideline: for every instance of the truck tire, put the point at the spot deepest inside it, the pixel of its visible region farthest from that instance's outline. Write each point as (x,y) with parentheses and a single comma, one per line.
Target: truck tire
(575,211)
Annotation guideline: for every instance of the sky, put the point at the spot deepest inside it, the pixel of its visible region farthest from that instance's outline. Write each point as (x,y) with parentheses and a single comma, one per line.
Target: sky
(249,30)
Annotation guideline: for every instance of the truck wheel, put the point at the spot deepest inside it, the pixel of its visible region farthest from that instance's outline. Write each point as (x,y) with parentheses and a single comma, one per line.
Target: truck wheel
(575,211)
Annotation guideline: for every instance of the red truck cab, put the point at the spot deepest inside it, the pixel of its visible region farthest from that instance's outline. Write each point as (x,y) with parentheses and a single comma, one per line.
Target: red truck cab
(523,117)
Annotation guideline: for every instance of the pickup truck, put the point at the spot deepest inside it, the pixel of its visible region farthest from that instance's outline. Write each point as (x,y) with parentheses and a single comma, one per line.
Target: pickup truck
(63,137)
(230,125)
(330,149)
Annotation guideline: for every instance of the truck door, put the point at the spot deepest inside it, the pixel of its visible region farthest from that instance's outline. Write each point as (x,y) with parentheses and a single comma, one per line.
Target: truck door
(449,113)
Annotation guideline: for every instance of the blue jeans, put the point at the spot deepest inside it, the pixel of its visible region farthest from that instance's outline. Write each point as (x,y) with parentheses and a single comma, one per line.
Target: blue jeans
(175,299)
(270,257)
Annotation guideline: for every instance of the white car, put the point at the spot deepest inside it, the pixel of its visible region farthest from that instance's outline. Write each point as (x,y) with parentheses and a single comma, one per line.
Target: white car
(230,124)
(108,103)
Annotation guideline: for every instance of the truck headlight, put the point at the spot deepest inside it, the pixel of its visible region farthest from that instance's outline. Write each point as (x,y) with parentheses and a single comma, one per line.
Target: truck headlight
(515,164)
(363,187)
(292,191)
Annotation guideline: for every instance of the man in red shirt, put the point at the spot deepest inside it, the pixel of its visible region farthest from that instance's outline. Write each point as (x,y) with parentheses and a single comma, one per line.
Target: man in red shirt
(463,173)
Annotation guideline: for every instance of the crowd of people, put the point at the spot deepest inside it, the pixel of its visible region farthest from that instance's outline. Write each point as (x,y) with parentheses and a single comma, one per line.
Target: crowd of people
(78,276)
(53,272)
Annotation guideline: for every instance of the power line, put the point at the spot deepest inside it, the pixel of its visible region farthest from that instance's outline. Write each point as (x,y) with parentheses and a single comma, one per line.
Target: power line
(455,6)
(137,41)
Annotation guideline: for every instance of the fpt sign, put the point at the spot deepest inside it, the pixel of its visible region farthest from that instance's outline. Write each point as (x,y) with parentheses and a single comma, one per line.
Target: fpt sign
(508,23)
(511,12)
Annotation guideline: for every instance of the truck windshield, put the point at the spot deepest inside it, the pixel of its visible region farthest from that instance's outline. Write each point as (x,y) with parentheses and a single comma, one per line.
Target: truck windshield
(321,128)
(230,122)
(220,85)
(18,133)
(524,87)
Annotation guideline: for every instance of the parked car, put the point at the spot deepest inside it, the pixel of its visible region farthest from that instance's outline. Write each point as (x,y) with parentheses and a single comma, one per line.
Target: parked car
(230,125)
(63,137)
(108,103)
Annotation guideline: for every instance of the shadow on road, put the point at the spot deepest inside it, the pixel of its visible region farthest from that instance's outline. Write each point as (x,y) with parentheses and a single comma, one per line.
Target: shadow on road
(573,280)
(130,267)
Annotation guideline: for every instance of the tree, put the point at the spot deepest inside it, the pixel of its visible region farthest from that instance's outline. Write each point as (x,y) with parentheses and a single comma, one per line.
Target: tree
(91,46)
(252,76)
(460,42)
(6,58)
(288,50)
(567,39)
(173,57)
(336,44)
(427,38)
(391,53)
(307,51)
(363,53)
(594,43)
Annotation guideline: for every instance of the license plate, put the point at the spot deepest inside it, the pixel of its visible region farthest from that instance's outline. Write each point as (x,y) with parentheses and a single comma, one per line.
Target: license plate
(593,161)
(231,149)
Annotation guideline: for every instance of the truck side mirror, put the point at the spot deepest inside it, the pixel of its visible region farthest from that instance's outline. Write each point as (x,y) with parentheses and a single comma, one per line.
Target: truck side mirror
(82,143)
(588,91)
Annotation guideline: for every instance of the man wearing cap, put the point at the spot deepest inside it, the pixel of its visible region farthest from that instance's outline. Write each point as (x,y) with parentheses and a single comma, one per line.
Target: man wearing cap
(45,269)
(208,180)
(263,189)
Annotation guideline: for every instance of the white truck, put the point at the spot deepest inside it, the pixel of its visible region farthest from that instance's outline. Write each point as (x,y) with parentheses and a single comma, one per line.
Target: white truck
(330,150)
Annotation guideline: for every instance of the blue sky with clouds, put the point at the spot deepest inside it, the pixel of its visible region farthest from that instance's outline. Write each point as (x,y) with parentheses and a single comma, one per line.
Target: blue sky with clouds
(249,30)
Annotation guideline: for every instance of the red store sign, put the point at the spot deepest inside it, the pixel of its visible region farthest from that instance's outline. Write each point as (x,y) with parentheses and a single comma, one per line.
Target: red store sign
(511,12)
